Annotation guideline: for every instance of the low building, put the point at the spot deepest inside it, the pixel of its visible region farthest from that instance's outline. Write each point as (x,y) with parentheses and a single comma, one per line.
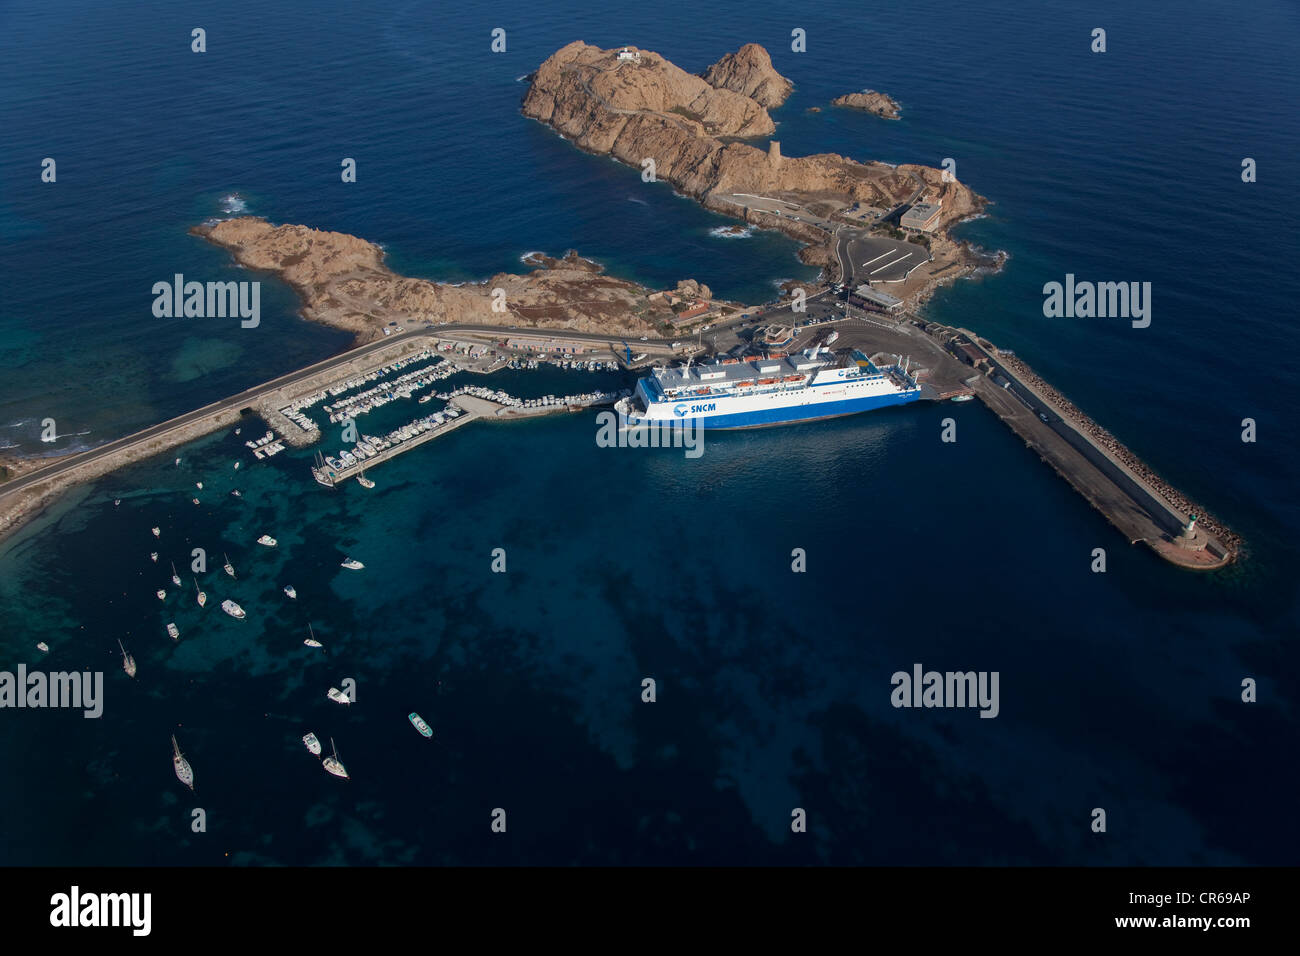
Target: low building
(879,301)
(923,217)
(531,343)
(629,54)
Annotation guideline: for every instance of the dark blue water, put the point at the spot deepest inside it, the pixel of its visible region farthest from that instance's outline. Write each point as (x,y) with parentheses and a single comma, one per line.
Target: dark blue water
(1118,691)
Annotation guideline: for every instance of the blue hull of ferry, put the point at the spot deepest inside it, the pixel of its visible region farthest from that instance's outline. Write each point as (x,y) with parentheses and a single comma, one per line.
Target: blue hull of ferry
(799,413)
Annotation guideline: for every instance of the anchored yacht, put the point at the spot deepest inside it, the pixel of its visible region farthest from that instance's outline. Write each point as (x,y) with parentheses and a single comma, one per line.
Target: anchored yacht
(184,772)
(128,662)
(333,764)
(233,609)
(313,744)
(352,564)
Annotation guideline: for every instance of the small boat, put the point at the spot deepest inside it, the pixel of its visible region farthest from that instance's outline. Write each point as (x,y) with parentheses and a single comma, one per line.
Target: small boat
(228,567)
(267,540)
(233,609)
(364,482)
(311,641)
(337,696)
(963,398)
(202,598)
(289,591)
(418,722)
(238,430)
(184,772)
(195,500)
(178,462)
(176,578)
(156,533)
(236,466)
(332,762)
(236,493)
(173,632)
(153,556)
(128,662)
(198,485)
(43,647)
(116,502)
(352,564)
(162,595)
(312,743)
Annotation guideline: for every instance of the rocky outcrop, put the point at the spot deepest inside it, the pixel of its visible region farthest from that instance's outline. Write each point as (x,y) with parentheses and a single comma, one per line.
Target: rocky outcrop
(585,91)
(879,103)
(342,281)
(749,71)
(639,111)
(690,289)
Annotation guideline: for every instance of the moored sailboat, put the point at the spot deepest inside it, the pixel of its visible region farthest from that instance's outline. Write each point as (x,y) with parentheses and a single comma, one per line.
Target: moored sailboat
(202,598)
(128,662)
(228,567)
(184,772)
(332,763)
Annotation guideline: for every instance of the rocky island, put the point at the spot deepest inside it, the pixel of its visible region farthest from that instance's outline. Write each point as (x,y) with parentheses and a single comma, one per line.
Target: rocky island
(880,104)
(343,282)
(637,106)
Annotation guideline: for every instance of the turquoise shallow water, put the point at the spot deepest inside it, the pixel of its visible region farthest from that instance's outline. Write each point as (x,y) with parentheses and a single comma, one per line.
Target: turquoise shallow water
(1117,690)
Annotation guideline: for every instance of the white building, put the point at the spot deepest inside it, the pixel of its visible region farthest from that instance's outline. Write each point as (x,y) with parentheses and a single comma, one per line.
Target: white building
(630,53)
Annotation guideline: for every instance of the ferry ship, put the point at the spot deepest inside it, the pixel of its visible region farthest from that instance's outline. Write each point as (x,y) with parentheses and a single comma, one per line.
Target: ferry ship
(778,389)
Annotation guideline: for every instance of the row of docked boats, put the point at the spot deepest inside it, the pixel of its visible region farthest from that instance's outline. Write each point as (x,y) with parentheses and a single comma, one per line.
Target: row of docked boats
(402,387)
(505,398)
(328,467)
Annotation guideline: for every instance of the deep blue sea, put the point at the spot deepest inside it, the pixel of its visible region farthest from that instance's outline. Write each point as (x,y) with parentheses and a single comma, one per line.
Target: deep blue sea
(1118,691)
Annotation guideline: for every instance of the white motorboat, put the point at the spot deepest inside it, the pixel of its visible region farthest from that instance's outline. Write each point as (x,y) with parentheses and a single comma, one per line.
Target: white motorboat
(233,609)
(352,564)
(173,632)
(267,540)
(289,590)
(313,744)
(337,696)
